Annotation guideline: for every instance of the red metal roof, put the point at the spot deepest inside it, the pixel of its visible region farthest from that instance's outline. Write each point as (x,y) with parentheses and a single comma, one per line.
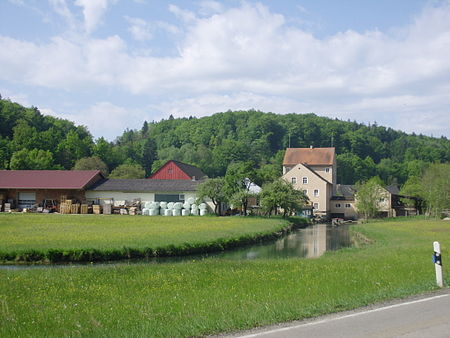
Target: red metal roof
(48,179)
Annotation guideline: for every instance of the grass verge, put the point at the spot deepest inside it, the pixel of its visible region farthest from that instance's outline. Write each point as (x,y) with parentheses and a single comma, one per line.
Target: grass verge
(96,238)
(197,298)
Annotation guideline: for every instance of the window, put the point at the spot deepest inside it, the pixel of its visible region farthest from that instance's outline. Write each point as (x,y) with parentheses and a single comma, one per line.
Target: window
(305,192)
(294,180)
(316,192)
(316,206)
(338,205)
(169,198)
(347,205)
(327,170)
(305,180)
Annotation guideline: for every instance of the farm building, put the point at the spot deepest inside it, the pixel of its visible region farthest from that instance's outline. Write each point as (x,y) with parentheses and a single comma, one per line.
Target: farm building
(143,189)
(25,188)
(175,170)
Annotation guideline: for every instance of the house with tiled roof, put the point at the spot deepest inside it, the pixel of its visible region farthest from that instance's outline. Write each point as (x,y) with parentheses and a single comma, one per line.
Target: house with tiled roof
(313,171)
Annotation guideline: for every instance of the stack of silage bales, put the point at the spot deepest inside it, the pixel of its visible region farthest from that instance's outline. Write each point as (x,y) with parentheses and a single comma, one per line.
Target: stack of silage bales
(154,209)
(194,209)
(176,211)
(203,209)
(163,207)
(186,209)
(146,209)
(168,211)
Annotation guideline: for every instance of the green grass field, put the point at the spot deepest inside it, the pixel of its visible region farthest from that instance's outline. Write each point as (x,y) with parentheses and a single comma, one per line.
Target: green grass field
(35,237)
(209,296)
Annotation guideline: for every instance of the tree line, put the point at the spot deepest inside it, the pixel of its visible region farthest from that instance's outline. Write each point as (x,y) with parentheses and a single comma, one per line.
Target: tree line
(31,140)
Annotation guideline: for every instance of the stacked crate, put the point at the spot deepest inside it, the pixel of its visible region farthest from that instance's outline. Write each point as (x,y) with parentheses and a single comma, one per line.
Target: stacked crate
(84,209)
(75,208)
(7,207)
(107,209)
(66,206)
(96,209)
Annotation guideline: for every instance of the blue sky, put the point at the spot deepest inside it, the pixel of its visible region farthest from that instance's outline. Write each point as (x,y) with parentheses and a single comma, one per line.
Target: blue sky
(111,64)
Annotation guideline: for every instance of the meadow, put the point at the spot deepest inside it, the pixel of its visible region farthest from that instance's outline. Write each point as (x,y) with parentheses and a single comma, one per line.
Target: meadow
(87,238)
(201,297)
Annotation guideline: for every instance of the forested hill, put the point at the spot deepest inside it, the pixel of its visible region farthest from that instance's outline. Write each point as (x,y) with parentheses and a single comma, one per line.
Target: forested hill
(30,140)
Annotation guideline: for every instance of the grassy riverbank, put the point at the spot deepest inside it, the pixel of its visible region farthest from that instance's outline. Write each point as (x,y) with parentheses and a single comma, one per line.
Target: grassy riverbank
(204,297)
(87,238)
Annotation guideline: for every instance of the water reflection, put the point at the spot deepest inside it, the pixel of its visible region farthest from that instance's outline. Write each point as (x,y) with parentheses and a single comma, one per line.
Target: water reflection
(310,242)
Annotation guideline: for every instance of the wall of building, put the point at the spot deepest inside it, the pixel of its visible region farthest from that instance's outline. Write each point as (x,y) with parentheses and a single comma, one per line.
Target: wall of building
(314,183)
(345,207)
(41,194)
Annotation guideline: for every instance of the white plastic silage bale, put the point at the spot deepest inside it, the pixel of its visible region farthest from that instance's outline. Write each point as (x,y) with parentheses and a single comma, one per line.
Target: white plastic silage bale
(194,211)
(186,205)
(148,205)
(176,212)
(203,206)
(191,200)
(170,205)
(154,212)
(203,212)
(167,212)
(156,204)
(178,206)
(185,212)
(145,211)
(162,211)
(163,205)
(194,206)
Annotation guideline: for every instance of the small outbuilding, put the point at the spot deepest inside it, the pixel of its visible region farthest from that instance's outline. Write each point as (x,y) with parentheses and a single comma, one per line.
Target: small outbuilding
(26,188)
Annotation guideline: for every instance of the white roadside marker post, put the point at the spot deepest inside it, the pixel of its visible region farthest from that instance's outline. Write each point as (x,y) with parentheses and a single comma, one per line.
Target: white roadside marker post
(437,259)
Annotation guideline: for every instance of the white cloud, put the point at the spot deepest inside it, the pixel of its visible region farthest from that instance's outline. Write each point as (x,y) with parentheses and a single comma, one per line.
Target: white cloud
(93,11)
(61,8)
(209,7)
(139,28)
(105,118)
(250,57)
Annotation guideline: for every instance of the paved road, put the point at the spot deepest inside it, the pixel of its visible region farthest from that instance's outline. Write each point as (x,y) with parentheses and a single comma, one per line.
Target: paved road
(428,316)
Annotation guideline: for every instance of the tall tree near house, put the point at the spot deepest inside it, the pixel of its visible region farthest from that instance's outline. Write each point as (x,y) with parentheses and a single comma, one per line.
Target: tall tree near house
(35,159)
(213,189)
(91,163)
(128,170)
(281,195)
(414,190)
(436,188)
(240,200)
(368,195)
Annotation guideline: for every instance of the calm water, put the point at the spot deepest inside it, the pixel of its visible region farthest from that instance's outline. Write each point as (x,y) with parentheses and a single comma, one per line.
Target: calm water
(309,242)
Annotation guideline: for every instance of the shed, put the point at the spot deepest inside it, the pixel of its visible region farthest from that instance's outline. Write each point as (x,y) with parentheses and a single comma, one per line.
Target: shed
(25,188)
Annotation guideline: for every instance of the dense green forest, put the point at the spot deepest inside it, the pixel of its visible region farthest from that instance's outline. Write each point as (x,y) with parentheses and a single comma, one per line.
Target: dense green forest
(31,140)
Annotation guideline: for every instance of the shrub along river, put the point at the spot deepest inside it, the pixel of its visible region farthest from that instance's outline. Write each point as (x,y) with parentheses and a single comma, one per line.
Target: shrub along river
(309,242)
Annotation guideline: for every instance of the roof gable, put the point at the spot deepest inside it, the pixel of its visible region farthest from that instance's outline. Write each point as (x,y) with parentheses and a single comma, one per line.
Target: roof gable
(178,170)
(48,179)
(310,170)
(310,156)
